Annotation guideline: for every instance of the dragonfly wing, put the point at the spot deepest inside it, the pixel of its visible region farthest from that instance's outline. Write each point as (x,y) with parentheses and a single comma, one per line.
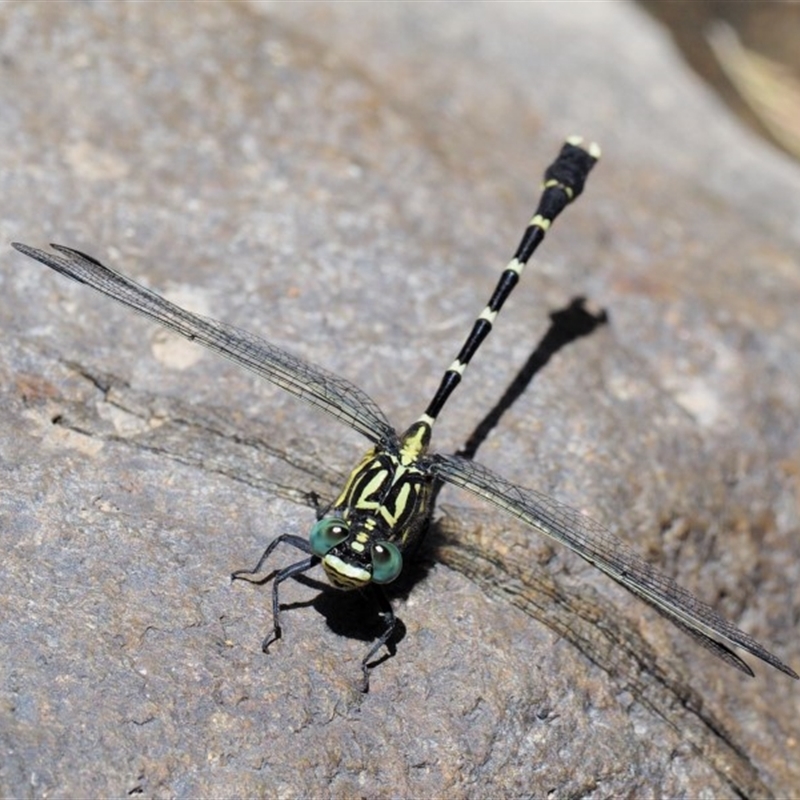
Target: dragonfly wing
(597,545)
(316,386)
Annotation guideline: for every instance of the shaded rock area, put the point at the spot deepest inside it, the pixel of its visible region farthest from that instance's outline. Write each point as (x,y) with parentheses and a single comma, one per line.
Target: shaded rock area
(347,180)
(748,53)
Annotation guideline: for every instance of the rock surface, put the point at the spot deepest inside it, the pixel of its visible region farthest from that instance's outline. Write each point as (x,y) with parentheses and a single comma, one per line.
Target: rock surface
(347,180)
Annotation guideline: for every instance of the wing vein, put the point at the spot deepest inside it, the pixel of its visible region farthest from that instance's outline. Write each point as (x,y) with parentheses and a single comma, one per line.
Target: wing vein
(597,545)
(323,389)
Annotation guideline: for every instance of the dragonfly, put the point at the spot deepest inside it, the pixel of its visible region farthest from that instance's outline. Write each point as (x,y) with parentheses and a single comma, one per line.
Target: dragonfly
(371,530)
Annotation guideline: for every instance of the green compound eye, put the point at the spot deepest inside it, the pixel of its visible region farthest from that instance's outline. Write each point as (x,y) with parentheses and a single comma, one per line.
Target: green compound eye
(386,562)
(326,534)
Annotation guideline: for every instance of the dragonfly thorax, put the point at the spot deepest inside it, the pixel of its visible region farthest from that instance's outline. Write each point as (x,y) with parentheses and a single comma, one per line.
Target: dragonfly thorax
(381,512)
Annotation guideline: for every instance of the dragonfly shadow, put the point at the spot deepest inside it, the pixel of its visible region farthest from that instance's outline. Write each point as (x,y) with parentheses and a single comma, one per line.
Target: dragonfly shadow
(566,326)
(356,614)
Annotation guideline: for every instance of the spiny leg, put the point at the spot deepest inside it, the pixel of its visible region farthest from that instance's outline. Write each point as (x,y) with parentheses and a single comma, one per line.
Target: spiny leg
(563,182)
(287,572)
(320,508)
(386,613)
(289,538)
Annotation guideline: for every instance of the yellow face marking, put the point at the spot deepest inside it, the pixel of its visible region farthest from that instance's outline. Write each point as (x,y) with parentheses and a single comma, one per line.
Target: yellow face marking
(349,574)
(359,543)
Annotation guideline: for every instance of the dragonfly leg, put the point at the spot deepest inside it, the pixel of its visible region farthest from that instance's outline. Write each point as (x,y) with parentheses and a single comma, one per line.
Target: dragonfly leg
(289,538)
(320,508)
(386,613)
(287,572)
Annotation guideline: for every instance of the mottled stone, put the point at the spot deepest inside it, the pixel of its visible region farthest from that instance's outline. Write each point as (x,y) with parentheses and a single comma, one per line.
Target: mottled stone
(347,180)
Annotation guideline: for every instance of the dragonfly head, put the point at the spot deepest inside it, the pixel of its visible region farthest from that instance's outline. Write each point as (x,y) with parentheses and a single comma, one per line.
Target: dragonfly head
(352,559)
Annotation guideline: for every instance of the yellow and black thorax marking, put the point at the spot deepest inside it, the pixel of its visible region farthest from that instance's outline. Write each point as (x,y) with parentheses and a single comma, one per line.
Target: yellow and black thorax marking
(388,492)
(385,506)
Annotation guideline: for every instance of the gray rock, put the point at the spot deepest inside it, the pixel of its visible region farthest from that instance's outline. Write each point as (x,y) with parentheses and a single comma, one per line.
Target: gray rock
(347,180)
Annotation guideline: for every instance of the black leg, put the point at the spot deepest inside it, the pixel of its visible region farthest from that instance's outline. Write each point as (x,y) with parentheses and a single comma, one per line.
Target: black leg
(289,538)
(287,572)
(385,610)
(387,614)
(315,500)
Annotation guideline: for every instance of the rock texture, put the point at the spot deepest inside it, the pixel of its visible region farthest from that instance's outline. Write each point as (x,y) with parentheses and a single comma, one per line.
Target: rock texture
(347,180)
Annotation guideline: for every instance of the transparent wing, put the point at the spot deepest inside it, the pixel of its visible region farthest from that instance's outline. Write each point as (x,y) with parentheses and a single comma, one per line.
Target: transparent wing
(600,547)
(317,386)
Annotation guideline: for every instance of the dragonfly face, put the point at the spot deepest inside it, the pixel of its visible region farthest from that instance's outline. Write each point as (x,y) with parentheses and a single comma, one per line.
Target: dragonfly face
(381,513)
